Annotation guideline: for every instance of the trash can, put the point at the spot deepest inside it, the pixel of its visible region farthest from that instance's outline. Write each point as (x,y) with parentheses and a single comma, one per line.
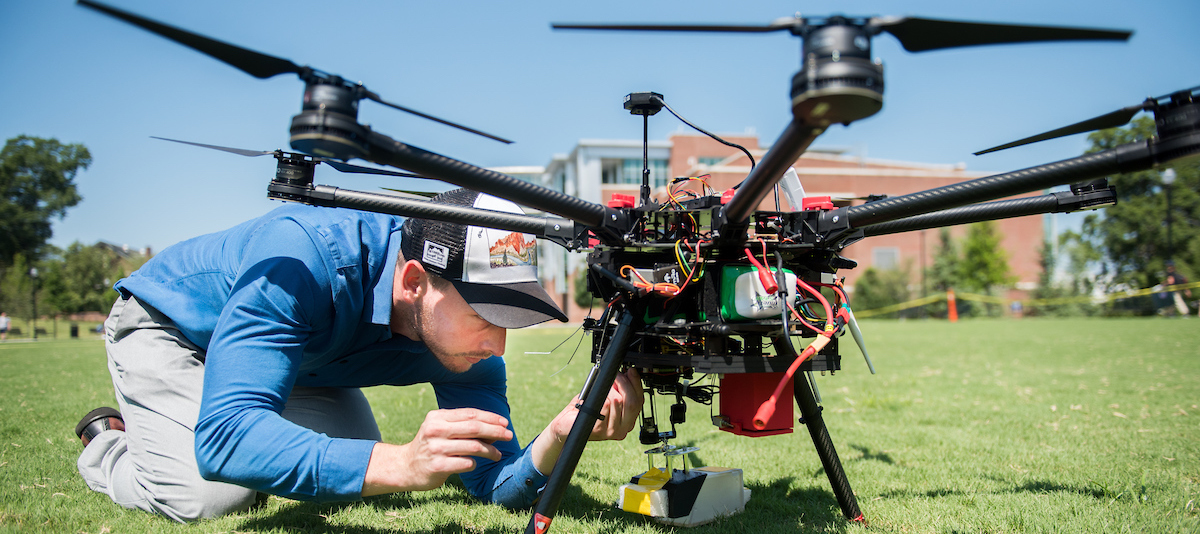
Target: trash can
(74,330)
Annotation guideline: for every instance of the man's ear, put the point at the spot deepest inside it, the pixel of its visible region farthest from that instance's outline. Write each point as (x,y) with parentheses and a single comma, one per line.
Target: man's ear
(409,282)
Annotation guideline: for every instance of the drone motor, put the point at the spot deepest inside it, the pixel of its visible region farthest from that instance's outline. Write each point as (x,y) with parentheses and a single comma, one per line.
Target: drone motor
(838,82)
(328,121)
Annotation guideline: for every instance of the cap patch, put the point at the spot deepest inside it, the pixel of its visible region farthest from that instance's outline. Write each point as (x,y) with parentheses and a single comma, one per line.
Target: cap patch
(513,250)
(436,254)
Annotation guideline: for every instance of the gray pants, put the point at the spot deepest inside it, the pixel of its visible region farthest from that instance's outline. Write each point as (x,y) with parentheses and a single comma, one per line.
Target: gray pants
(158,376)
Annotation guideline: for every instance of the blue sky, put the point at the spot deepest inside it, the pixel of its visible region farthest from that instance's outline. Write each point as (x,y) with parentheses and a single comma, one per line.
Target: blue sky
(75,75)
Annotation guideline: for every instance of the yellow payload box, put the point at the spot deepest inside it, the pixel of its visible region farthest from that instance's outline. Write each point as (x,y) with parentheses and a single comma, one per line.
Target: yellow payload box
(685,498)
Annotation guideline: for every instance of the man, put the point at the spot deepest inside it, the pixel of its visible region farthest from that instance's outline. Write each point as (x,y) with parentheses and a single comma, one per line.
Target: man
(5,323)
(237,358)
(1174,278)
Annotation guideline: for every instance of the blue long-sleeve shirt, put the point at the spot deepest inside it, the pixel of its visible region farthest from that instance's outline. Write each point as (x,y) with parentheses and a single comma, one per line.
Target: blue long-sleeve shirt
(302,297)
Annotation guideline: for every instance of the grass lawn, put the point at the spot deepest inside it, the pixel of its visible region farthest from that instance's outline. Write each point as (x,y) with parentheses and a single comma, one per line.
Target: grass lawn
(1077,425)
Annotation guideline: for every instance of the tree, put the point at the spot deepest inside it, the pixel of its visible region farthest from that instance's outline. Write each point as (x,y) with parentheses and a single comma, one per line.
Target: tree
(16,288)
(583,297)
(80,278)
(1131,236)
(877,288)
(944,274)
(37,183)
(984,264)
(1072,282)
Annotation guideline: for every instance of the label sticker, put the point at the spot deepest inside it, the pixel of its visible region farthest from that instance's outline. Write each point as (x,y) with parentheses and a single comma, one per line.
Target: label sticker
(436,254)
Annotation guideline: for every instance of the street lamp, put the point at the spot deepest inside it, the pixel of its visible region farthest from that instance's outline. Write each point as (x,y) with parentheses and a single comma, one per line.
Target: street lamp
(1168,178)
(33,276)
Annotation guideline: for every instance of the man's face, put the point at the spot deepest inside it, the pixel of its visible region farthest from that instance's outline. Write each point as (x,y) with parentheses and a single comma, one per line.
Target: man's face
(456,335)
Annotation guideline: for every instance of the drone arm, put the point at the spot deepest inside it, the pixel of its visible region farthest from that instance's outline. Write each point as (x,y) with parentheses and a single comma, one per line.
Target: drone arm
(794,140)
(323,195)
(1062,202)
(1125,158)
(387,151)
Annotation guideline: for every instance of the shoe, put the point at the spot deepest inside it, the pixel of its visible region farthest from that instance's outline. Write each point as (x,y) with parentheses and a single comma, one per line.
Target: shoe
(97,421)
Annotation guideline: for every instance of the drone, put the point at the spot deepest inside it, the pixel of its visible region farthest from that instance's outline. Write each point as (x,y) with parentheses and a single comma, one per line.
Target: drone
(706,283)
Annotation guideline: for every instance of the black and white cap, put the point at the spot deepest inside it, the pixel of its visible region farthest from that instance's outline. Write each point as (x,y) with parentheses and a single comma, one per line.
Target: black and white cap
(495,271)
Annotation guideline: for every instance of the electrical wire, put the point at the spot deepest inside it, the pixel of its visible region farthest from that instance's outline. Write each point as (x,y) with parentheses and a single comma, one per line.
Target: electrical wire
(701,130)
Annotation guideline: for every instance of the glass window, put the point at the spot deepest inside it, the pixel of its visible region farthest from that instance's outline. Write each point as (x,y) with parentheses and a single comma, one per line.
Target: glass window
(629,171)
(885,258)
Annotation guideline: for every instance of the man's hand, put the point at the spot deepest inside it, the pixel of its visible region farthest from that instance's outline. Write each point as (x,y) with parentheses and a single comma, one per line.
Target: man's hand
(621,412)
(443,446)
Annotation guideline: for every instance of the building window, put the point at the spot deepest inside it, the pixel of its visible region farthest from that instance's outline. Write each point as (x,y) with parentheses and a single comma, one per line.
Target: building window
(629,171)
(560,181)
(885,258)
(709,161)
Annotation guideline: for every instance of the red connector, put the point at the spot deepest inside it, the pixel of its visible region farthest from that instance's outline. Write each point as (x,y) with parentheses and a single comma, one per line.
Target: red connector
(765,276)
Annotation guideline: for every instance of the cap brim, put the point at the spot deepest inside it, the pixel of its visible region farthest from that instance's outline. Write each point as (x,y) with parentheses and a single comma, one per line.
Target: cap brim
(510,305)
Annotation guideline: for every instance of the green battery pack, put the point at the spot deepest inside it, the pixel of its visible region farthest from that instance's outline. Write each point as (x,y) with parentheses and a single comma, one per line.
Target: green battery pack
(743,297)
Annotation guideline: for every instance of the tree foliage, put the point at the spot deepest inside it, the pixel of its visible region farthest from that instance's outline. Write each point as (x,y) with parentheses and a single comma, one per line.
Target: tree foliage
(976,264)
(82,276)
(943,275)
(1131,236)
(583,297)
(37,182)
(984,265)
(877,288)
(16,289)
(78,279)
(1072,281)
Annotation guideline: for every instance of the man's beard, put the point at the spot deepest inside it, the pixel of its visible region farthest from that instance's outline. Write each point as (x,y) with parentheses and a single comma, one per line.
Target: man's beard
(453,361)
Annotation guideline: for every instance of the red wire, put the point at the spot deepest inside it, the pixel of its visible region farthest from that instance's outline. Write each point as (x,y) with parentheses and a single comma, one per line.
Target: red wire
(824,303)
(803,322)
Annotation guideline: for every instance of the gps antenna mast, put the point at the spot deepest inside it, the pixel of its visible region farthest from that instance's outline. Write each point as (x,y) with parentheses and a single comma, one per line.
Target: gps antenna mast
(644,104)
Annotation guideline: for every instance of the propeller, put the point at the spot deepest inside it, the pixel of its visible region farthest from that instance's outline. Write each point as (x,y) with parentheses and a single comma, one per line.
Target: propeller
(916,34)
(343,167)
(1112,119)
(838,81)
(265,66)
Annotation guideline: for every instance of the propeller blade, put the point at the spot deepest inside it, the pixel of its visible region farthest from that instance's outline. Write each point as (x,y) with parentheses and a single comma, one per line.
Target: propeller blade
(414,195)
(921,34)
(239,151)
(248,61)
(376,98)
(780,24)
(1109,120)
(346,167)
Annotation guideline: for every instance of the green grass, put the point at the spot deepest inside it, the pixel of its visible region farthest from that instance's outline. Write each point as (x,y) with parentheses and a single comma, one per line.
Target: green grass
(980,426)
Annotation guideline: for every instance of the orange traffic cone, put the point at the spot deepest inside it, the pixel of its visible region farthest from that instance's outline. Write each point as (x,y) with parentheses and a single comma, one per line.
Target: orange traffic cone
(951,307)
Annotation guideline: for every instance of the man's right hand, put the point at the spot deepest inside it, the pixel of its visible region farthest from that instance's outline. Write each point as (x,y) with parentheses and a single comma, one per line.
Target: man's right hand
(444,446)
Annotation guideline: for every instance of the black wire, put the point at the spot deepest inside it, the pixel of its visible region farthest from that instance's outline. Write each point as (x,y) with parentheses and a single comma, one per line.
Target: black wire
(701,394)
(701,130)
(781,279)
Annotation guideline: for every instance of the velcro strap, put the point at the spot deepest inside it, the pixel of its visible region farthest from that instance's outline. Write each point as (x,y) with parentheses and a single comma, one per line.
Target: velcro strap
(590,412)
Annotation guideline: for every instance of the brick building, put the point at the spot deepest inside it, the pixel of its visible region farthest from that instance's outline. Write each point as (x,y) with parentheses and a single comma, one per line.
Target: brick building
(596,169)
